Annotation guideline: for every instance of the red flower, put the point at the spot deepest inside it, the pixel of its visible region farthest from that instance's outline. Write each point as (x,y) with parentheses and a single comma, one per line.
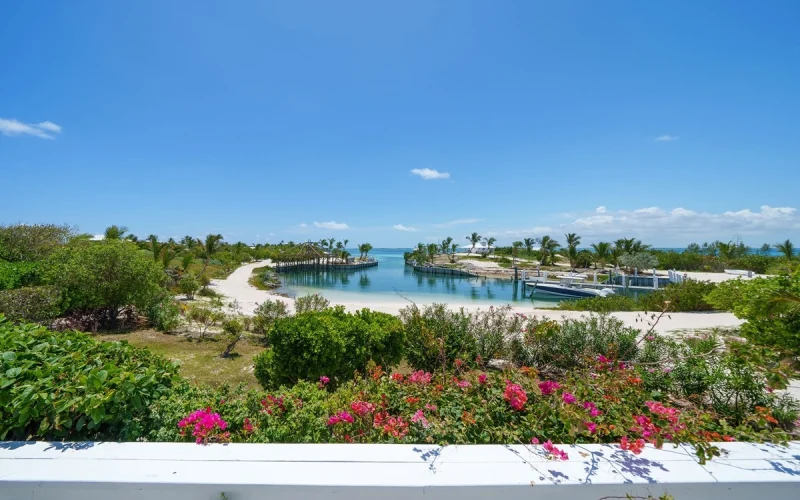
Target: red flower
(397,377)
(515,396)
(635,447)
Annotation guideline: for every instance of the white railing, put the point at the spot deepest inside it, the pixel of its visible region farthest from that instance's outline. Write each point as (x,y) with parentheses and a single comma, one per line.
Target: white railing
(177,471)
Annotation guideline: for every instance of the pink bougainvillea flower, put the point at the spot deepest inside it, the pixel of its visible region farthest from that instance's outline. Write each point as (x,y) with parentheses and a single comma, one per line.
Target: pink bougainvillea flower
(464,384)
(515,396)
(568,398)
(206,426)
(534,440)
(548,387)
(341,417)
(362,408)
(591,426)
(593,411)
(247,426)
(555,452)
(324,380)
(420,377)
(419,418)
(482,378)
(431,407)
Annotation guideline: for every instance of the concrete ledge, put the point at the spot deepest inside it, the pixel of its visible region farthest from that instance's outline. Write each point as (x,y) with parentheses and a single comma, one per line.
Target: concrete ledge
(177,471)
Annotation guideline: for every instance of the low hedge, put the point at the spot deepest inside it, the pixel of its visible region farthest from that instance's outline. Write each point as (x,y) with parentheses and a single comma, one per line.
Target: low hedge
(59,385)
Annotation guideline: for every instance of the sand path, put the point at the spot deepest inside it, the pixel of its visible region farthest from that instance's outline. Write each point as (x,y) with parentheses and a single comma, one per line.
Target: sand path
(236,287)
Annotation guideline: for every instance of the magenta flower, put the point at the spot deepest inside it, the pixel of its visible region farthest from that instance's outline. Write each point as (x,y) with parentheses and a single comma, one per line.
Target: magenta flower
(362,408)
(419,418)
(482,379)
(431,407)
(206,426)
(340,417)
(534,440)
(464,384)
(593,411)
(420,377)
(568,398)
(548,387)
(591,426)
(515,396)
(555,452)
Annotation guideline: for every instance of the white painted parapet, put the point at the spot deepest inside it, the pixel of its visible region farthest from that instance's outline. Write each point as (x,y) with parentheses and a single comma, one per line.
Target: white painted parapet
(177,471)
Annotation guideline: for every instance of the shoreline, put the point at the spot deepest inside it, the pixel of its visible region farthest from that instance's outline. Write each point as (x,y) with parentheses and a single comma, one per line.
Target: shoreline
(236,287)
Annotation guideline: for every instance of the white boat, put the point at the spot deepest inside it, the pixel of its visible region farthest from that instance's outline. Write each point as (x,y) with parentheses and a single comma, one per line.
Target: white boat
(739,272)
(567,287)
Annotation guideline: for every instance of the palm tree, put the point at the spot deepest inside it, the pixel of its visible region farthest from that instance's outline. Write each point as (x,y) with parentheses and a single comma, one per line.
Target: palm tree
(616,253)
(446,245)
(433,249)
(154,246)
(208,248)
(725,250)
(474,238)
(367,248)
(573,240)
(602,251)
(529,242)
(489,242)
(549,246)
(453,250)
(188,242)
(515,250)
(167,254)
(115,232)
(345,244)
(786,248)
(186,260)
(571,253)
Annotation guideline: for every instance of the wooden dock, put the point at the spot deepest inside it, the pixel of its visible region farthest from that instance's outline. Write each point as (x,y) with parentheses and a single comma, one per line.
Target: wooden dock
(314,265)
(443,271)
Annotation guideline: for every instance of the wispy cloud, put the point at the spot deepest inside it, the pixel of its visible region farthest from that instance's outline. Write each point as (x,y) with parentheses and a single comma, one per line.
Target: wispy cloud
(429,173)
(667,138)
(331,225)
(600,210)
(44,130)
(400,227)
(457,222)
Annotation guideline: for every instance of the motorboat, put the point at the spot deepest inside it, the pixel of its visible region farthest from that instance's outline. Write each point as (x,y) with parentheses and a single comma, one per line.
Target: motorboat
(567,287)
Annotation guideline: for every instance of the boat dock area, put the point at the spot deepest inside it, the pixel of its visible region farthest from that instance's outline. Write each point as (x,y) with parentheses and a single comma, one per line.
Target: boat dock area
(614,282)
(446,271)
(320,265)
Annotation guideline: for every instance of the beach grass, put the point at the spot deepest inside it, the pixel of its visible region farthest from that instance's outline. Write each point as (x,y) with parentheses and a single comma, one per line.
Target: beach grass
(199,360)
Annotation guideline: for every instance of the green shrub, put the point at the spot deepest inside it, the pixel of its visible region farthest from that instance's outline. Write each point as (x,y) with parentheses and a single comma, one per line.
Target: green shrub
(640,260)
(109,275)
(555,347)
(38,303)
(771,318)
(265,278)
(67,385)
(437,336)
(164,315)
(32,242)
(18,274)
(188,286)
(310,303)
(688,296)
(267,313)
(332,343)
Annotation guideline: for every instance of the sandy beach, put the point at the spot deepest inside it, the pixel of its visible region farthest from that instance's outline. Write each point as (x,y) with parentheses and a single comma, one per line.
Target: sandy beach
(236,287)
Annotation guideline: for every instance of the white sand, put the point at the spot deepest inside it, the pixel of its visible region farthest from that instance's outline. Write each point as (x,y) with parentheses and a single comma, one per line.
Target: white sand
(236,287)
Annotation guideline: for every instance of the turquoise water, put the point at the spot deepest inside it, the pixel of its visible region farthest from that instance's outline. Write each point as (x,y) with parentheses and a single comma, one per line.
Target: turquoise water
(392,278)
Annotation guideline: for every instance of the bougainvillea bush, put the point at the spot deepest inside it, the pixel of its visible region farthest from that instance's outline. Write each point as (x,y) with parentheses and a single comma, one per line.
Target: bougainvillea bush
(608,403)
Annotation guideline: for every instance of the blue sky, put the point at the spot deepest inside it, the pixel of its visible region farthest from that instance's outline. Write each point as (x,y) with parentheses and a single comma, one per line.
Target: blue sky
(669,121)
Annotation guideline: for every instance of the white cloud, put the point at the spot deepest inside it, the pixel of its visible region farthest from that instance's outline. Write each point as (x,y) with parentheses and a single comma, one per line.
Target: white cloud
(400,227)
(302,224)
(680,224)
(429,173)
(331,225)
(457,222)
(534,232)
(45,130)
(600,210)
(667,138)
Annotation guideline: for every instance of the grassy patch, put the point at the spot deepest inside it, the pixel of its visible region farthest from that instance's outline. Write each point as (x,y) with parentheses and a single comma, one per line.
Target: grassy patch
(199,359)
(256,279)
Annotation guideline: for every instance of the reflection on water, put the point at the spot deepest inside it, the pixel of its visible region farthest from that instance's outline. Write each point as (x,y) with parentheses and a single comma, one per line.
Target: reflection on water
(392,277)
